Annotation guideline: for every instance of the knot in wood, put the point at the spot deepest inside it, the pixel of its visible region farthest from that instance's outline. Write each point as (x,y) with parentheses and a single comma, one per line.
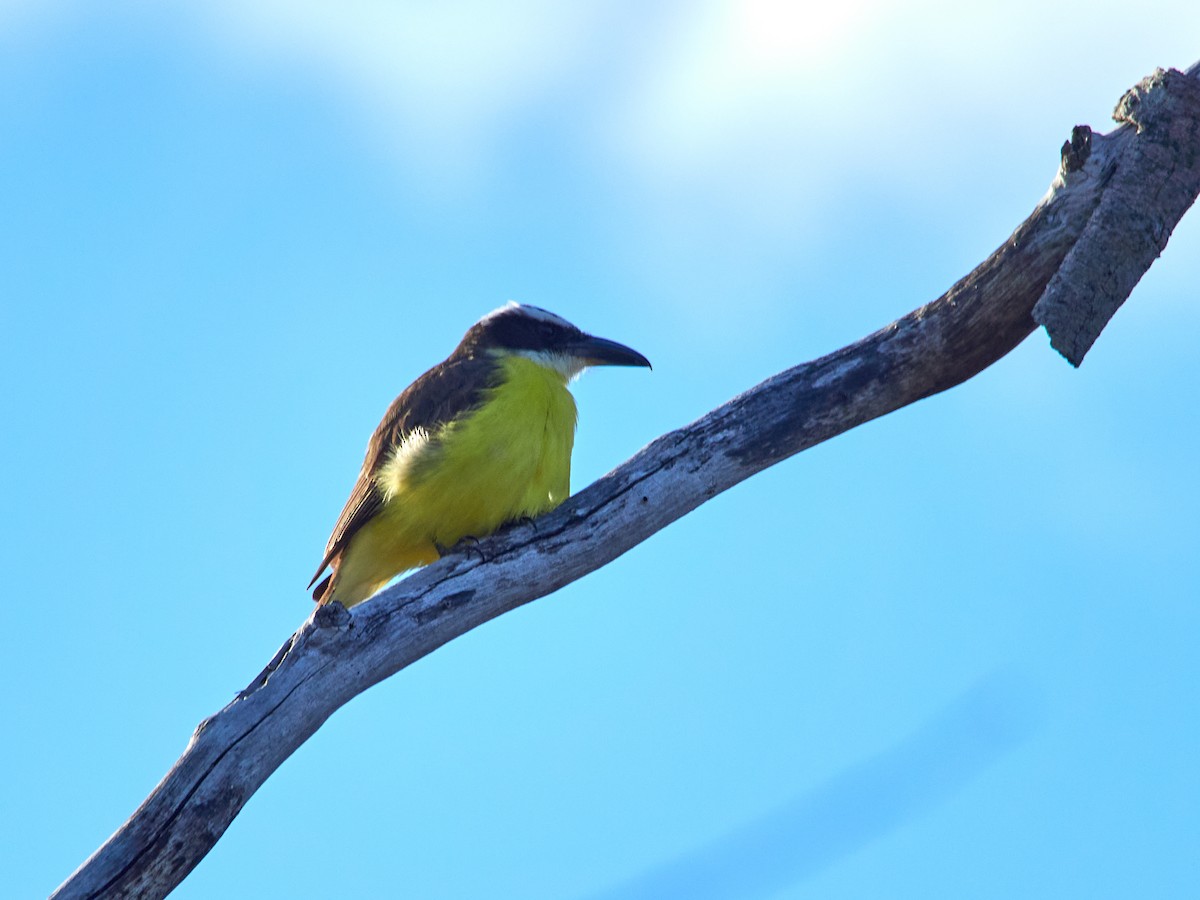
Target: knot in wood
(1076,151)
(331,615)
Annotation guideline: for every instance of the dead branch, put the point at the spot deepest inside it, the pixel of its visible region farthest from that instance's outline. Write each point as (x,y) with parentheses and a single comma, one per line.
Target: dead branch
(1069,266)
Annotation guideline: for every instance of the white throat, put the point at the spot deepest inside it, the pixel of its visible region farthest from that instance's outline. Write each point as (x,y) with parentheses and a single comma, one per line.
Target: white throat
(564,364)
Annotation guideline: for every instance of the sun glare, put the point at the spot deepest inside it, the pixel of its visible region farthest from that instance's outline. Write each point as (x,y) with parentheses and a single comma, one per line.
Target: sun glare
(778,34)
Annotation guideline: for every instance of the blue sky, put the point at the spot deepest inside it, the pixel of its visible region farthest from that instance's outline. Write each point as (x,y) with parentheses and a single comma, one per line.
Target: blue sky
(952,653)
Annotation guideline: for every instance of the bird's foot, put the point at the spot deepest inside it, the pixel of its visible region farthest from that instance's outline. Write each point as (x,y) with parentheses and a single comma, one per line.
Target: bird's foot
(467,544)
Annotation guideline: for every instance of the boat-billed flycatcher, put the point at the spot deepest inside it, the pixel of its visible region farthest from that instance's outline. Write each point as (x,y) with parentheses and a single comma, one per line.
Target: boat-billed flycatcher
(478,441)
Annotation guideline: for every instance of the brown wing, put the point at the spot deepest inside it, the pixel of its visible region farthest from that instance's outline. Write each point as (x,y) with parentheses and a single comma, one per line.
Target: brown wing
(440,395)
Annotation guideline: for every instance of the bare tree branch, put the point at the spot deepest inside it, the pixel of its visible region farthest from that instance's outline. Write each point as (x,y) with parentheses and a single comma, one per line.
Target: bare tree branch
(1107,215)
(1125,234)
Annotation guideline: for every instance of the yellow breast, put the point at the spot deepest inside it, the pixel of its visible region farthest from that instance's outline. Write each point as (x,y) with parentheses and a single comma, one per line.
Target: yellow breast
(509,459)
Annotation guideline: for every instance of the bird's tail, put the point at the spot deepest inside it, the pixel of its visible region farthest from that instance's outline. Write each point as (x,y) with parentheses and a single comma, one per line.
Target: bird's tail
(322,589)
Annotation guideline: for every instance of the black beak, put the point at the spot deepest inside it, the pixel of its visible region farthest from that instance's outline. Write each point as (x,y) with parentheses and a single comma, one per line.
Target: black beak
(598,351)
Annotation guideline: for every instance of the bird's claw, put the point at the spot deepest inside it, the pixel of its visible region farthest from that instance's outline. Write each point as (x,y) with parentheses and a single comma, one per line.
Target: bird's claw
(467,544)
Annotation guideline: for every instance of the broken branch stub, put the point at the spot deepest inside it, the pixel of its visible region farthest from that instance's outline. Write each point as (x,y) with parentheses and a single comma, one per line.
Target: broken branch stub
(1149,185)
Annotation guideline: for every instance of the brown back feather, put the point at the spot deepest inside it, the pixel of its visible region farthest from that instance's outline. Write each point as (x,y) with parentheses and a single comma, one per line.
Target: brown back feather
(441,395)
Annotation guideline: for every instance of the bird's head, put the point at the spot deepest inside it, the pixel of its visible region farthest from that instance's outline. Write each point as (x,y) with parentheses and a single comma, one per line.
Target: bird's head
(545,338)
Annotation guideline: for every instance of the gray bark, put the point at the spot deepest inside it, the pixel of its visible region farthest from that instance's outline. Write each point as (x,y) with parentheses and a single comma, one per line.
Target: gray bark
(1158,152)
(1108,213)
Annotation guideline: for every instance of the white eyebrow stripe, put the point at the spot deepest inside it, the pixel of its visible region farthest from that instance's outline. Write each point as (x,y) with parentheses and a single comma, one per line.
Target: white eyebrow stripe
(531,312)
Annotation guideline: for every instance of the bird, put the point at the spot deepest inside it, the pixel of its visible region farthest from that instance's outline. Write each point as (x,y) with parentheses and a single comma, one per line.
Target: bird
(481,440)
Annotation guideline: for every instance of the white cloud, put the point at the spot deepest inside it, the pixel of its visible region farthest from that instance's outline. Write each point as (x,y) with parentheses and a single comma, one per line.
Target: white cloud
(444,80)
(741,95)
(737,124)
(728,75)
